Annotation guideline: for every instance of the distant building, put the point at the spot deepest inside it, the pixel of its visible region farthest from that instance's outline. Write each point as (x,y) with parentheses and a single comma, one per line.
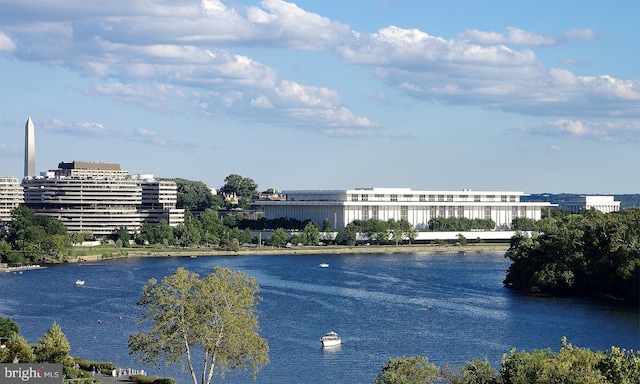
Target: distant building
(99,198)
(604,204)
(340,207)
(11,196)
(90,169)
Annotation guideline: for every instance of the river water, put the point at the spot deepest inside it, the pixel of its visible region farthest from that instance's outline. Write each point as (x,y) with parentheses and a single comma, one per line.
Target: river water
(450,307)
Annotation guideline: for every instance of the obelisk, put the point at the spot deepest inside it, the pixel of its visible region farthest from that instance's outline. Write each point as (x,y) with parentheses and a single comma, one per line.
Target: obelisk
(29,149)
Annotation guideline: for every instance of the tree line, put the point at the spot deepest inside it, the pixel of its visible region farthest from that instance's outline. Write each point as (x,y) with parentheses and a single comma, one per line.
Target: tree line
(570,365)
(586,254)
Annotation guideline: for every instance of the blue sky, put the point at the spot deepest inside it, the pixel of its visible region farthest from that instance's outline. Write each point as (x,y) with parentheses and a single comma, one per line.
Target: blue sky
(533,96)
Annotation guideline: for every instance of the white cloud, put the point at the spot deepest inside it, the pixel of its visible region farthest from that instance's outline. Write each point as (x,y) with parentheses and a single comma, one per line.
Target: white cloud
(514,36)
(6,44)
(179,56)
(607,131)
(580,34)
(149,52)
(491,76)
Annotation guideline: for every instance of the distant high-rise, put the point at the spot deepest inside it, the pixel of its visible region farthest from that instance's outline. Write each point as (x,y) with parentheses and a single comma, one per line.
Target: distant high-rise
(29,149)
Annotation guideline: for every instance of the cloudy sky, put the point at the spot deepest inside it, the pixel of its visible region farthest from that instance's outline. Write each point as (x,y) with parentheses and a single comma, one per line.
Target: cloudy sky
(533,96)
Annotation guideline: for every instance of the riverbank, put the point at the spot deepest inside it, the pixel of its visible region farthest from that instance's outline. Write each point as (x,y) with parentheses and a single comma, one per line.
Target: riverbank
(301,250)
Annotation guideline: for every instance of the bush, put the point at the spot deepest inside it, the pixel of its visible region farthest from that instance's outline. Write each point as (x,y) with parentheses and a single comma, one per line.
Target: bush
(141,379)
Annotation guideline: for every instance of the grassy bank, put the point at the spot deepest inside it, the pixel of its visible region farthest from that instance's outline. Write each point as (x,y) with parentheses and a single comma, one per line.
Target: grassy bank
(109,252)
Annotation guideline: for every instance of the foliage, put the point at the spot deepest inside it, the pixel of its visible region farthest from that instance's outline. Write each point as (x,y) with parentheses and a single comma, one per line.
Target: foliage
(278,238)
(123,236)
(244,188)
(8,328)
(215,313)
(240,186)
(31,236)
(195,196)
(571,365)
(454,224)
(53,346)
(17,349)
(587,254)
(311,234)
(407,370)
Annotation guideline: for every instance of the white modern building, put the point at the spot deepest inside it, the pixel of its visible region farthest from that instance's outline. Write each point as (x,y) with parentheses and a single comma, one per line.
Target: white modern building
(100,203)
(340,207)
(11,196)
(604,204)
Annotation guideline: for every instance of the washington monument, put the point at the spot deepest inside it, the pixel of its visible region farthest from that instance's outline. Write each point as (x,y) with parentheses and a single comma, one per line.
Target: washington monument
(29,149)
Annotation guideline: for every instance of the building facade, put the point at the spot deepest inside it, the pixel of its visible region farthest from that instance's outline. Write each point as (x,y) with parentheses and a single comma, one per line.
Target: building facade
(11,196)
(340,207)
(159,199)
(102,198)
(604,204)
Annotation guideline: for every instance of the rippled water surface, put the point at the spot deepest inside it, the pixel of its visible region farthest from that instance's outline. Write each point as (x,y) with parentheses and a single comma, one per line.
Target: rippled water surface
(449,307)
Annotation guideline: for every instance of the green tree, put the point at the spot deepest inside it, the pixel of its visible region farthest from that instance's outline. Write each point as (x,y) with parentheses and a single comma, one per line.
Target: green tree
(240,186)
(311,234)
(326,225)
(215,313)
(53,346)
(8,328)
(123,236)
(18,350)
(477,372)
(278,238)
(408,370)
(195,196)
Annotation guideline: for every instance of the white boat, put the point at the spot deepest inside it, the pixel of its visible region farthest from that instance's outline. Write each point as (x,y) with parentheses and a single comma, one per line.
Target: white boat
(324,265)
(79,282)
(331,339)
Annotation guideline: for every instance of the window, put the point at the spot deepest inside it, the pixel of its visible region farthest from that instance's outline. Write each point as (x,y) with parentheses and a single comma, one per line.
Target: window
(365,197)
(354,197)
(503,198)
(440,197)
(451,211)
(440,211)
(449,198)
(476,198)
(404,212)
(487,212)
(423,198)
(394,197)
(374,212)
(461,211)
(432,197)
(365,212)
(407,197)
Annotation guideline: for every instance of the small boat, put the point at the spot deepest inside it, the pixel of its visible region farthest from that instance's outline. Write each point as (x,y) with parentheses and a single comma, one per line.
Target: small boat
(324,265)
(331,339)
(79,282)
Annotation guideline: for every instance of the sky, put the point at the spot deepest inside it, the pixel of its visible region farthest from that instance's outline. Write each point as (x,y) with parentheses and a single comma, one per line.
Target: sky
(532,96)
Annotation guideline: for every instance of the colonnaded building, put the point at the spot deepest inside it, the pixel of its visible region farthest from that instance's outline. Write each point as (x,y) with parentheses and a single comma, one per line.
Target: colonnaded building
(100,198)
(340,207)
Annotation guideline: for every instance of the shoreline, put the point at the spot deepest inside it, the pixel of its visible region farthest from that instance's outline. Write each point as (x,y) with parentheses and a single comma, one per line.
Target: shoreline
(302,250)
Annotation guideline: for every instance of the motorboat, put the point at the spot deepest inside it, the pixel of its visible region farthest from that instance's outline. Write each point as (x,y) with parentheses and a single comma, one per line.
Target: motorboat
(324,265)
(330,339)
(79,282)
